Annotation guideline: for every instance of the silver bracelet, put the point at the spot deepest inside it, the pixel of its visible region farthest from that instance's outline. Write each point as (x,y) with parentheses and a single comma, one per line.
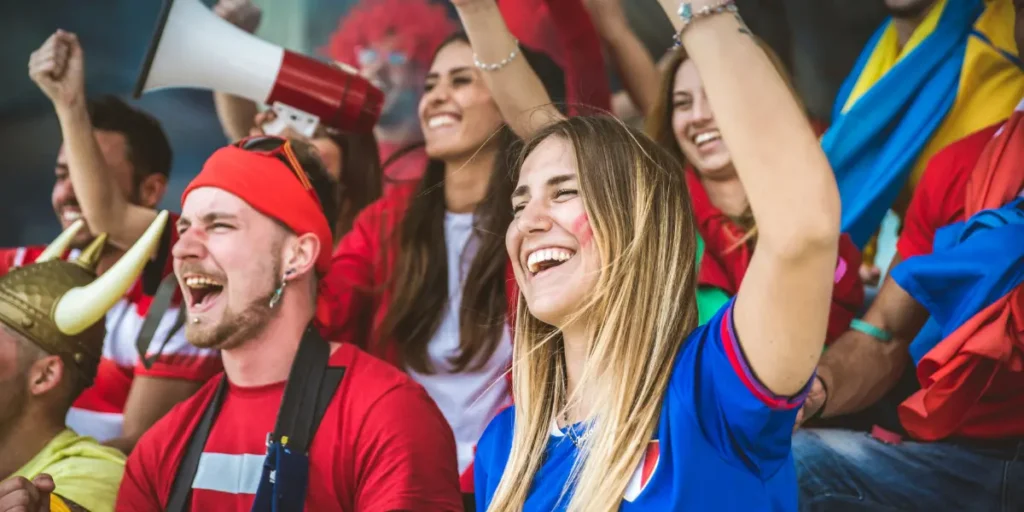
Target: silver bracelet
(688,16)
(494,67)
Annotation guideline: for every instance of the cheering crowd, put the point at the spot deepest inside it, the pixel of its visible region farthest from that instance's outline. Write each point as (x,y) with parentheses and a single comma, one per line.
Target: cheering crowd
(523,303)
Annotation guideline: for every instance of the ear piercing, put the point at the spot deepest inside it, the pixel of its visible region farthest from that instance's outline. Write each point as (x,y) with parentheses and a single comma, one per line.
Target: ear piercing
(276,298)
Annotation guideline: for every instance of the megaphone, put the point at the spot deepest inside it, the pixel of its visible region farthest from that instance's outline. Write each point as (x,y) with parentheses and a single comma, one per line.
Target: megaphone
(193,47)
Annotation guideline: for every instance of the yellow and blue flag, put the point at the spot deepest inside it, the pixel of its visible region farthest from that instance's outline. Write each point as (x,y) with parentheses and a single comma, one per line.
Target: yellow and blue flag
(958,73)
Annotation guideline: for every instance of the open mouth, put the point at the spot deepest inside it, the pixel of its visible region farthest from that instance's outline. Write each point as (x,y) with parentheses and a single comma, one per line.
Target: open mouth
(704,139)
(442,121)
(70,215)
(202,291)
(545,259)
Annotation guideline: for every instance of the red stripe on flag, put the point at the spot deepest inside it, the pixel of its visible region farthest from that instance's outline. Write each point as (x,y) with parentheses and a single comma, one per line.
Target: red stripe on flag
(650,462)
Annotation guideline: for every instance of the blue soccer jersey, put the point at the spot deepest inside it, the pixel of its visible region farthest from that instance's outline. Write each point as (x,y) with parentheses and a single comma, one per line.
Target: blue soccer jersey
(722,441)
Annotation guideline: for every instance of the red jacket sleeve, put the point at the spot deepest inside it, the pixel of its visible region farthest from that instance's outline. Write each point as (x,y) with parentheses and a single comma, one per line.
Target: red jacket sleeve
(586,79)
(405,455)
(352,281)
(576,46)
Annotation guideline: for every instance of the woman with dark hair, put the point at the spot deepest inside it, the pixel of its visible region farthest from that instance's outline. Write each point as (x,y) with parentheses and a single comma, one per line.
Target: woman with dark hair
(422,280)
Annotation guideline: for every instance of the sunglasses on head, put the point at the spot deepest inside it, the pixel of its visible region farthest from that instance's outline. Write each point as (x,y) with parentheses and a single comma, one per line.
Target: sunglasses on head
(279,148)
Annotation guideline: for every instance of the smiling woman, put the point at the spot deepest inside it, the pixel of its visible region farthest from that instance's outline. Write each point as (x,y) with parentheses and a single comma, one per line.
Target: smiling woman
(622,401)
(551,239)
(423,278)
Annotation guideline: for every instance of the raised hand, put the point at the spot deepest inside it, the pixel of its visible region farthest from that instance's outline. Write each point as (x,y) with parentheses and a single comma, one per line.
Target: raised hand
(265,121)
(58,68)
(19,495)
(241,13)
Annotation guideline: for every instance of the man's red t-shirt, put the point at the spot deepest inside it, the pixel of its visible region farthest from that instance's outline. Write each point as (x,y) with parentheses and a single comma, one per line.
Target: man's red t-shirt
(382,445)
(939,197)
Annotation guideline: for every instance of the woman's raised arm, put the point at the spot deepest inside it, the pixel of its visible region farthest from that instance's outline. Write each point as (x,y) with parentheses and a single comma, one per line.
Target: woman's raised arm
(783,304)
(517,89)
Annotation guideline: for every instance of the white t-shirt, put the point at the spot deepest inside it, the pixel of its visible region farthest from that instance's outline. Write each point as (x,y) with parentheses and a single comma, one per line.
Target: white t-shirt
(468,399)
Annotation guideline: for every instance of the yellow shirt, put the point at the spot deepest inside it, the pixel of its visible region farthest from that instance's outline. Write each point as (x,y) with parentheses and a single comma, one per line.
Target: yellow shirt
(84,471)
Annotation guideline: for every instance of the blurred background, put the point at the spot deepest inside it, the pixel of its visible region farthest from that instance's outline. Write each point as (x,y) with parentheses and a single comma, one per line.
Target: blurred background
(818,39)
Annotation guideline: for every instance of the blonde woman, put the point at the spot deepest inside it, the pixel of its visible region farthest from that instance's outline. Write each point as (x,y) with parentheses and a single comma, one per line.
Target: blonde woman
(621,402)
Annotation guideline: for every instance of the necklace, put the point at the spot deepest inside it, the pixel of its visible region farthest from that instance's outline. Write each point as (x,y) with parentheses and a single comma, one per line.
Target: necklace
(570,432)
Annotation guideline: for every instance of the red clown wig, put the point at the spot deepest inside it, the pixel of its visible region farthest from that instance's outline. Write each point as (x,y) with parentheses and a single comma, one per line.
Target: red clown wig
(418,27)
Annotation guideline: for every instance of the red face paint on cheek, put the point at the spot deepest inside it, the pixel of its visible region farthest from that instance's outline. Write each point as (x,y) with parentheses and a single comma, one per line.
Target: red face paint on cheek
(581,230)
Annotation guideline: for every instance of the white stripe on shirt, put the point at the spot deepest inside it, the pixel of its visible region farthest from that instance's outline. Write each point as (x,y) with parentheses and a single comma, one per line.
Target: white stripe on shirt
(232,474)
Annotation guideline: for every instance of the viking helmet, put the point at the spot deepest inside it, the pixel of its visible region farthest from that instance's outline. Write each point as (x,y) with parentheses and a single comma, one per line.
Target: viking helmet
(60,305)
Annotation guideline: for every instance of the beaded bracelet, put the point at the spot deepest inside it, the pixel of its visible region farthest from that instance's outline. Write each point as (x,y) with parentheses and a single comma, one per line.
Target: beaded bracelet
(688,16)
(503,63)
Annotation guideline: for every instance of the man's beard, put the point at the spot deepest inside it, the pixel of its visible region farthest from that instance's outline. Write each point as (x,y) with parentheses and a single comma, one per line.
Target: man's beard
(910,11)
(235,329)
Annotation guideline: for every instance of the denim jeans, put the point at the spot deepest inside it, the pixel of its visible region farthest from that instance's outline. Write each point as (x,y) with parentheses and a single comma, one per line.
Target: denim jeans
(842,470)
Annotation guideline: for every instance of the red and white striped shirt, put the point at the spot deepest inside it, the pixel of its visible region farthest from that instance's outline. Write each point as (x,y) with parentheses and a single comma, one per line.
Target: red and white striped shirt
(99,411)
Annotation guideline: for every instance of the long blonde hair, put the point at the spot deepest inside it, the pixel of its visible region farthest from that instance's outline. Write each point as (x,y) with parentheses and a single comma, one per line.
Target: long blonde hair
(644,230)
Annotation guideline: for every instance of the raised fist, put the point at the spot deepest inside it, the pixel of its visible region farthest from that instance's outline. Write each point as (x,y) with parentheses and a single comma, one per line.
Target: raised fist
(58,68)
(240,13)
(19,495)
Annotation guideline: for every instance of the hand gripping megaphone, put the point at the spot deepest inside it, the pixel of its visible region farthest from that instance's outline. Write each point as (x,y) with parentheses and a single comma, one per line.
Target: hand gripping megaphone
(193,47)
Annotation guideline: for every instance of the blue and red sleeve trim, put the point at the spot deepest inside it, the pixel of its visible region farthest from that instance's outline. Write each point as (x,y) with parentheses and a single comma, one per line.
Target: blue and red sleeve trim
(739,363)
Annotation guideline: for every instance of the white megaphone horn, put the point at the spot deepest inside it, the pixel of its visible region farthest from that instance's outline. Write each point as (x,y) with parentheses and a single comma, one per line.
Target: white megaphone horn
(193,47)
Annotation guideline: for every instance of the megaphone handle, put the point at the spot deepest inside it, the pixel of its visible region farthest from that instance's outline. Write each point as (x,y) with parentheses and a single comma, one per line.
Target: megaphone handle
(289,117)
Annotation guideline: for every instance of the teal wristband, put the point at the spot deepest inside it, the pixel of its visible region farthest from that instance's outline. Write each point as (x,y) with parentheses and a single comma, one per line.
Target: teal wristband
(866,328)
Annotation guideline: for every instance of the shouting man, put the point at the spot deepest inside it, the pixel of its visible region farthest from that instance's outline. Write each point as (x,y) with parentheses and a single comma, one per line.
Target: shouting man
(253,245)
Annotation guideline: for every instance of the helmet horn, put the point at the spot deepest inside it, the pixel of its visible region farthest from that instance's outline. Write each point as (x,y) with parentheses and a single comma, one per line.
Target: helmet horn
(59,245)
(82,307)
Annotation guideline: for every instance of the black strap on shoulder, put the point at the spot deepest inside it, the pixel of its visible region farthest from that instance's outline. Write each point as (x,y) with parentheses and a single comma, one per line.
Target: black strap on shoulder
(310,388)
(161,303)
(181,489)
(308,393)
